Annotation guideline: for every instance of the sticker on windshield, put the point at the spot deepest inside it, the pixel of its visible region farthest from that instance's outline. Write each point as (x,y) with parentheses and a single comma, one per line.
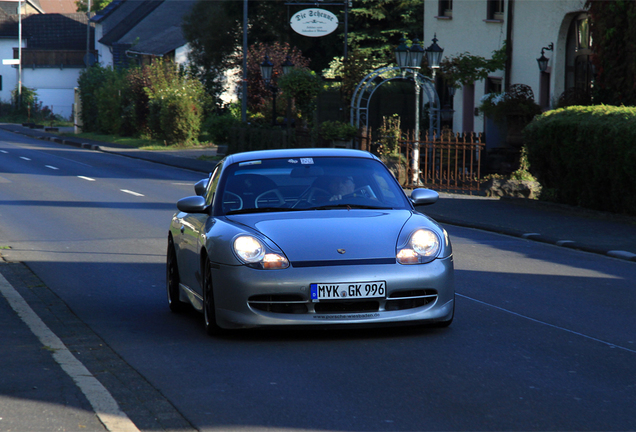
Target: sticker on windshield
(250,163)
(307,161)
(292,161)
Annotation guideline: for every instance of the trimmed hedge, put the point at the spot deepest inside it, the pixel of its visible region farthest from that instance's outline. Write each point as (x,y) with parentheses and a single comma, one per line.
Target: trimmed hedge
(586,156)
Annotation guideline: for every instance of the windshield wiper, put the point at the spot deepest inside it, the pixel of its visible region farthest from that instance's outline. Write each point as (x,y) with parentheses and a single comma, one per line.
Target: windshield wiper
(260,210)
(348,207)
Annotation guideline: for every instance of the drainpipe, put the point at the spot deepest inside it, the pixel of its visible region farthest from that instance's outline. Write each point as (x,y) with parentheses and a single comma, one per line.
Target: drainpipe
(509,43)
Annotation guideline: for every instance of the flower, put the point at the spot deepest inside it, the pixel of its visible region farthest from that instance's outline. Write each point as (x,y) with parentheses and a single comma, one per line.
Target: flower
(518,101)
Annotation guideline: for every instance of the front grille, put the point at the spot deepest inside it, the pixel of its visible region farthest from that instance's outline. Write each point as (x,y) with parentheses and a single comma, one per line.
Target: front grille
(297,304)
(410,299)
(279,303)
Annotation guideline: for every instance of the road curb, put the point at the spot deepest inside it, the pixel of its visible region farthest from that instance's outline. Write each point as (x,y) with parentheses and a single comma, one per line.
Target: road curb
(538,237)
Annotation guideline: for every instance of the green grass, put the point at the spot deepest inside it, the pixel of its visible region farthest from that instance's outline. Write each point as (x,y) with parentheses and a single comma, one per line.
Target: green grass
(140,143)
(20,119)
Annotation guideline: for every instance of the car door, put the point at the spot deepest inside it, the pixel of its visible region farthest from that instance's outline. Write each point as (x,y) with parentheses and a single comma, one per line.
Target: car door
(192,237)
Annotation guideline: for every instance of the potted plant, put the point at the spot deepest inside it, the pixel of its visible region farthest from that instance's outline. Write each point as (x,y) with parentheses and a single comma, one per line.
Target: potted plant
(339,133)
(514,109)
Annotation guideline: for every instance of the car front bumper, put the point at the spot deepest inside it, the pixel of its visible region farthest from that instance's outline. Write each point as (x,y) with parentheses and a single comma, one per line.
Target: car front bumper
(246,297)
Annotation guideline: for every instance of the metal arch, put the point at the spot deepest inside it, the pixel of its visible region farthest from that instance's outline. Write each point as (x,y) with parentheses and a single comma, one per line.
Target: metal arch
(368,85)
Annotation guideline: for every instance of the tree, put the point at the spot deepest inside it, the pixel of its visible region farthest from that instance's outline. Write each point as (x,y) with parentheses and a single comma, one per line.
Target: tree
(259,96)
(215,52)
(96,5)
(376,26)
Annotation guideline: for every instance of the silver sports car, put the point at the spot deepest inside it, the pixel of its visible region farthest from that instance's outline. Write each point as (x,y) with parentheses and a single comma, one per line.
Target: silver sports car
(308,237)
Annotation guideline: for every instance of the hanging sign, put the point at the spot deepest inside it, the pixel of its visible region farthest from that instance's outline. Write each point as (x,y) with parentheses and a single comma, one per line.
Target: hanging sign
(314,22)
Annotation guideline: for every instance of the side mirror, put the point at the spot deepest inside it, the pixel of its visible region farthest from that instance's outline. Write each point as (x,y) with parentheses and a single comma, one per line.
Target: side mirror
(193,204)
(201,186)
(423,196)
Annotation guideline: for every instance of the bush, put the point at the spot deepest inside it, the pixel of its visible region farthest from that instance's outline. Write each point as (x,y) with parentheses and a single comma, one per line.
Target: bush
(217,127)
(585,156)
(337,130)
(156,100)
(89,82)
(109,98)
(176,105)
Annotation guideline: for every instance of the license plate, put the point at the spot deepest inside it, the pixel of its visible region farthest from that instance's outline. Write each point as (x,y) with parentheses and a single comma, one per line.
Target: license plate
(348,290)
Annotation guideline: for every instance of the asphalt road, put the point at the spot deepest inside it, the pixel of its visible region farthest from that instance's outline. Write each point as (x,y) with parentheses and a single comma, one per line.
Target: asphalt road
(544,337)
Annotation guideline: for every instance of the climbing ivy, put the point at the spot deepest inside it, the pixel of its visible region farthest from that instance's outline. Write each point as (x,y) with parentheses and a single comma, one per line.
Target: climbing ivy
(614,47)
(466,68)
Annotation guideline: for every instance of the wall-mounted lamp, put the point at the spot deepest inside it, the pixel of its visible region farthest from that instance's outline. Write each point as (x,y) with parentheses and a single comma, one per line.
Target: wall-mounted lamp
(543,60)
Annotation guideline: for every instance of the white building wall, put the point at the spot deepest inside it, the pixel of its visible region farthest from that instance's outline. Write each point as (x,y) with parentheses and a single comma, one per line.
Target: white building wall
(105,57)
(9,73)
(54,87)
(535,25)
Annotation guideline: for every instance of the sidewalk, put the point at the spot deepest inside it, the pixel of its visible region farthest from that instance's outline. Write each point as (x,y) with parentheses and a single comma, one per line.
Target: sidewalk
(571,227)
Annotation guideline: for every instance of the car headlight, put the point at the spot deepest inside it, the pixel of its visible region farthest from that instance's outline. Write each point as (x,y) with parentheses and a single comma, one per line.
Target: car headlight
(422,247)
(253,252)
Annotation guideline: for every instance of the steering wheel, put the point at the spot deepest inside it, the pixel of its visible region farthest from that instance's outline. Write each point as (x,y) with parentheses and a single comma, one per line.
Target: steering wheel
(365,191)
(276,195)
(232,202)
(316,195)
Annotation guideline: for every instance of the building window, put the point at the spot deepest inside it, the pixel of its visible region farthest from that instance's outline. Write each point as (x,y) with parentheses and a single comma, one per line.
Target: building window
(445,9)
(578,65)
(496,10)
(493,85)
(584,40)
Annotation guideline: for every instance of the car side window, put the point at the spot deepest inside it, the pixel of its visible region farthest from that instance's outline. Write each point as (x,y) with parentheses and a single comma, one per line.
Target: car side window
(212,184)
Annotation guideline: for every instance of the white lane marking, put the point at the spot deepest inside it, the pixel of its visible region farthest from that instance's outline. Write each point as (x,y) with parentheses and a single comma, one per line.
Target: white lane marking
(25,158)
(131,192)
(105,406)
(611,345)
(4,151)
(86,178)
(51,167)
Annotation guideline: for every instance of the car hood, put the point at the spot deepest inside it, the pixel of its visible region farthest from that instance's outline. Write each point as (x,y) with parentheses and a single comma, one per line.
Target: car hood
(331,235)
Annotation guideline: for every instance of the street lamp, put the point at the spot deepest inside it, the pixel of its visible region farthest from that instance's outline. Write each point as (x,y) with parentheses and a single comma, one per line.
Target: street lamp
(411,58)
(267,69)
(543,60)
(434,55)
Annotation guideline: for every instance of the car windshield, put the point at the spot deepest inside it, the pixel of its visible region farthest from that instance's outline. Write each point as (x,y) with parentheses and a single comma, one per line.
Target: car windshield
(301,184)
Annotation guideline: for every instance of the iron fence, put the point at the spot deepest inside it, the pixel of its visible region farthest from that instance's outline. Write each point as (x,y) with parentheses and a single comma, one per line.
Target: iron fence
(452,162)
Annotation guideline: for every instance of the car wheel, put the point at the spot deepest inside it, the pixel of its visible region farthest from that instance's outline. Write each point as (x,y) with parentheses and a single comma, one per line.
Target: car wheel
(172,280)
(209,309)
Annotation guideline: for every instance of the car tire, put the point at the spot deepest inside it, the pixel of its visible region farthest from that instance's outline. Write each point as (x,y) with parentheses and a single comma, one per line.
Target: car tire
(172,280)
(209,309)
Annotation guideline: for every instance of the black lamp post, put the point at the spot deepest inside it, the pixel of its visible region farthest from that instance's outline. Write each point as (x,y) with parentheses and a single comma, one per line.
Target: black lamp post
(434,55)
(411,58)
(543,60)
(267,67)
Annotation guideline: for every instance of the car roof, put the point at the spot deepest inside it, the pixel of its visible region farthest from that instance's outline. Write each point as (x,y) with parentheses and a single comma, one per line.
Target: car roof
(297,153)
